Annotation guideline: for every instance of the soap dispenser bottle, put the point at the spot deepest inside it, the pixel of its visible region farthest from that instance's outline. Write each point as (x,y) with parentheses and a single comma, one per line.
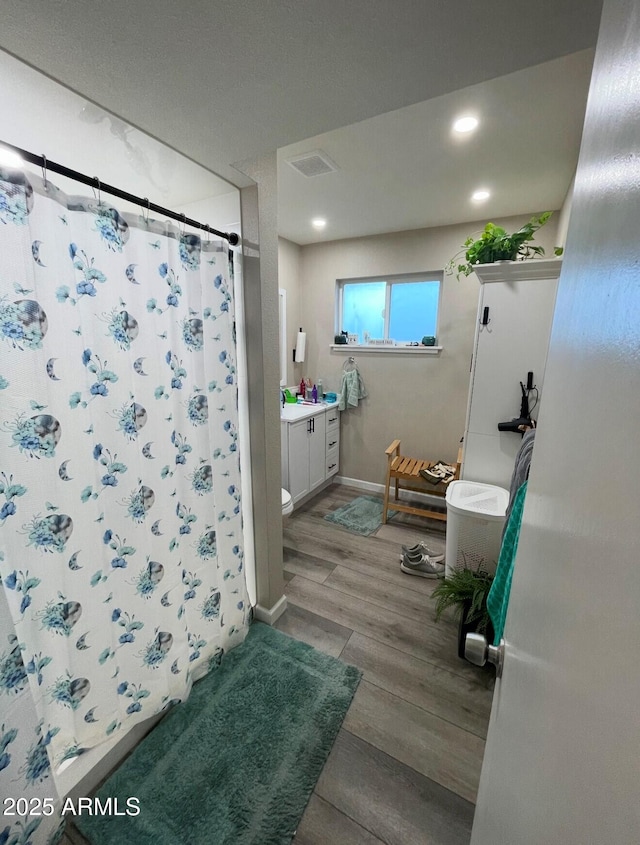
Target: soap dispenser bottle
(314,394)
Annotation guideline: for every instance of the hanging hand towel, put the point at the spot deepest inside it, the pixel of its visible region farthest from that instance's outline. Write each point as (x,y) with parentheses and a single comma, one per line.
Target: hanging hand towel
(520,471)
(498,598)
(352,390)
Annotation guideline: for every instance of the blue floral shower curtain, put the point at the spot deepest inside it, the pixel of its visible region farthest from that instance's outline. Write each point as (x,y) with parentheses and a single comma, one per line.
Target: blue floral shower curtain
(121,550)
(25,771)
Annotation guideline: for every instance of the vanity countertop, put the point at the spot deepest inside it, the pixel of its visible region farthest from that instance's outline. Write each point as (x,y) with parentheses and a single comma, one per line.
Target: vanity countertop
(293,413)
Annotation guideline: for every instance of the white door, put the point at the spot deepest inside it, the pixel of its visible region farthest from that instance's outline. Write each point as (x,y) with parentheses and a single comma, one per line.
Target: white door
(562,762)
(317,450)
(298,452)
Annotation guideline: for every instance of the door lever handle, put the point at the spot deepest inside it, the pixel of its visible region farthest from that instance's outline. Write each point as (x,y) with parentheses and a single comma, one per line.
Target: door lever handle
(478,651)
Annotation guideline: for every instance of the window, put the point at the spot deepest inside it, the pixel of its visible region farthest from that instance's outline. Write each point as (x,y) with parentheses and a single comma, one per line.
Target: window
(397,308)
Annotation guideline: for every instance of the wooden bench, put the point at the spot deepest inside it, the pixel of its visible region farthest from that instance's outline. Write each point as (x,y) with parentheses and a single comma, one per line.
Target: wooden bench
(405,472)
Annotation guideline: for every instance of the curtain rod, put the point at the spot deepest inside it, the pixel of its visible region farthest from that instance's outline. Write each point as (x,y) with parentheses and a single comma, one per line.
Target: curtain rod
(94,182)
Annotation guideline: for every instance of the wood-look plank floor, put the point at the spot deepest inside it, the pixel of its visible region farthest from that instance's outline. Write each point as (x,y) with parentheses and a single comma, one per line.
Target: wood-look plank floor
(405,767)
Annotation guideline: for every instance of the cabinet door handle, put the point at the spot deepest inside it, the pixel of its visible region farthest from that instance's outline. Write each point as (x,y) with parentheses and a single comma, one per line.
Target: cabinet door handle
(332,419)
(332,466)
(333,443)
(309,426)
(313,424)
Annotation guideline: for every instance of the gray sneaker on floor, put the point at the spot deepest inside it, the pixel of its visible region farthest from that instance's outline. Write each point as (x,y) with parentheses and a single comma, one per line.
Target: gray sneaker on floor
(425,567)
(422,549)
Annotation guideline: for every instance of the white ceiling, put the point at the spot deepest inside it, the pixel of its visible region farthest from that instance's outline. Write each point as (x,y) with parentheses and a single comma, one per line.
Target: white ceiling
(407,170)
(228,82)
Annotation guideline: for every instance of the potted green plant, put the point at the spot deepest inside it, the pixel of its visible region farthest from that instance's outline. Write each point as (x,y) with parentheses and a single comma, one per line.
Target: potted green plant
(466,591)
(494,244)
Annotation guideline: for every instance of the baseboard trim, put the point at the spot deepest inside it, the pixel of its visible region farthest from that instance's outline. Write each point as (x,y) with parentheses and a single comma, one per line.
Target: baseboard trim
(270,615)
(313,493)
(372,487)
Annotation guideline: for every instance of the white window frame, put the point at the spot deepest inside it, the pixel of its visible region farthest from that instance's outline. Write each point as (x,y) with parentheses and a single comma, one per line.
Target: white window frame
(390,280)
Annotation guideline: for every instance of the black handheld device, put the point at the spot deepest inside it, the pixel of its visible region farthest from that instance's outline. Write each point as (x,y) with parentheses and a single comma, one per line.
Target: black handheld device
(525,416)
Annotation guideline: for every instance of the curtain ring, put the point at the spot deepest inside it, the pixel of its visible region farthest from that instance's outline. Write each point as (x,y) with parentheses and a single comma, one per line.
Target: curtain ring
(184,224)
(44,172)
(145,220)
(94,192)
(207,229)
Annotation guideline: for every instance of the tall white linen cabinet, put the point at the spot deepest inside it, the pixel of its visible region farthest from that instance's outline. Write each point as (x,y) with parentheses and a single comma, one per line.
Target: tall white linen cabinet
(511,340)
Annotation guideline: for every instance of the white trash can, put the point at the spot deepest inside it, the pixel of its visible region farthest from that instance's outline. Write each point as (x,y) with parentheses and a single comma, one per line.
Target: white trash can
(475,518)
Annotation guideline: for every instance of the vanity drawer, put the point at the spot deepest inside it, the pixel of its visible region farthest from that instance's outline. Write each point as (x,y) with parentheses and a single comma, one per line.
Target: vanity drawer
(333,461)
(333,420)
(333,439)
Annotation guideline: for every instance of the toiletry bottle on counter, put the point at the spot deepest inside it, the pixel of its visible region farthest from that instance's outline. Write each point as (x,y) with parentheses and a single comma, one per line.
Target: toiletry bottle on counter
(314,393)
(302,387)
(320,393)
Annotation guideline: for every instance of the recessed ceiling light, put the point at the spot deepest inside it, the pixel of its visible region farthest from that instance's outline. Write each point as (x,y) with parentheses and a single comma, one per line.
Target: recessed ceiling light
(318,223)
(480,196)
(9,158)
(465,124)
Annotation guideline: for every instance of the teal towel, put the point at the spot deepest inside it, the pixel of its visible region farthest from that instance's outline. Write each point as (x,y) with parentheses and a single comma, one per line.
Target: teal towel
(352,390)
(498,598)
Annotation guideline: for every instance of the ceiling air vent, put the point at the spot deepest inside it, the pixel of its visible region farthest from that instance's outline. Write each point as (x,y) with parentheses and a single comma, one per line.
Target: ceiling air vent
(312,164)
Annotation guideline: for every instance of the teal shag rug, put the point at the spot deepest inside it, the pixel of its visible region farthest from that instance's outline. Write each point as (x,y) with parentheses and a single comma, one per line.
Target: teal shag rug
(237,762)
(362,516)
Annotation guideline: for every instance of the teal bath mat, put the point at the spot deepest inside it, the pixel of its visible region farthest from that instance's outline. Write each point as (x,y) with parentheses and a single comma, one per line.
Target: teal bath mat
(362,516)
(237,762)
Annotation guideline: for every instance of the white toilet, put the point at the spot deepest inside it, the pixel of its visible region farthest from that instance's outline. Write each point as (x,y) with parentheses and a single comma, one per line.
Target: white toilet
(287,504)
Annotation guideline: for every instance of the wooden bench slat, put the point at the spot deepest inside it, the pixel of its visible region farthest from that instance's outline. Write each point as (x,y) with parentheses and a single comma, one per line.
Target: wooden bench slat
(403,468)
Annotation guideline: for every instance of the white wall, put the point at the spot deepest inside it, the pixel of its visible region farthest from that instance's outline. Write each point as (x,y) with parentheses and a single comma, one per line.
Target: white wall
(419,399)
(261,300)
(565,214)
(222,211)
(43,117)
(289,259)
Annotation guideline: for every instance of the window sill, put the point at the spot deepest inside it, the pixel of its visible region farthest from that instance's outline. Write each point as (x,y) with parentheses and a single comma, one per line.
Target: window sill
(350,348)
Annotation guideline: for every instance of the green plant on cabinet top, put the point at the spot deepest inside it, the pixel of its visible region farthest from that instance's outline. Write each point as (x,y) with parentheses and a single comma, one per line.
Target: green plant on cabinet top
(494,244)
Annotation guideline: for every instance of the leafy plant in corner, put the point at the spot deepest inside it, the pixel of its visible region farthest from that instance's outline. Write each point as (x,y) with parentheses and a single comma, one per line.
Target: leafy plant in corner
(465,590)
(494,244)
